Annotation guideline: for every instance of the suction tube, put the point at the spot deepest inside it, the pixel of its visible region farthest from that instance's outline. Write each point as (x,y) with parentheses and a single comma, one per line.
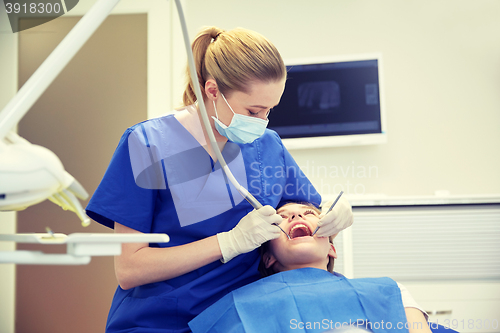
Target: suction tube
(204,116)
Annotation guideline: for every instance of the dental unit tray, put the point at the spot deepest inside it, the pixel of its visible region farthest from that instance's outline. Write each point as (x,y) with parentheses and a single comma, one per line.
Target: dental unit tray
(80,247)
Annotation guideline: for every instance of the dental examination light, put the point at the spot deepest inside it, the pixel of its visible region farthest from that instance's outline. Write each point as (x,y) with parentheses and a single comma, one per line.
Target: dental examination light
(203,111)
(30,174)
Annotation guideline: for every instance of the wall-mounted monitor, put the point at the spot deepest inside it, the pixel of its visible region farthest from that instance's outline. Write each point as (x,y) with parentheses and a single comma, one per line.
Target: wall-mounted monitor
(334,101)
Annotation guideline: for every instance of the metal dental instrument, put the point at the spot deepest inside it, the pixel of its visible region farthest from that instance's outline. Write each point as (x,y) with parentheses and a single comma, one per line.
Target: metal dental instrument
(204,116)
(287,235)
(329,210)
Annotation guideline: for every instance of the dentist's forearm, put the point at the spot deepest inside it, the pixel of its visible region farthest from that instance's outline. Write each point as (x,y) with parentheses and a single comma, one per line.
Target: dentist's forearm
(140,264)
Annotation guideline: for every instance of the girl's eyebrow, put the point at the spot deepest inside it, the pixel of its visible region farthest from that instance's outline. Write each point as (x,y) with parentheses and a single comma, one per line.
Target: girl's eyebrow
(310,208)
(283,210)
(280,212)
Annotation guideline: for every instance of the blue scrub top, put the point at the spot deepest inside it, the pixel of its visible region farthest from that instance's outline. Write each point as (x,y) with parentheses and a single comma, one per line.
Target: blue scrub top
(160,180)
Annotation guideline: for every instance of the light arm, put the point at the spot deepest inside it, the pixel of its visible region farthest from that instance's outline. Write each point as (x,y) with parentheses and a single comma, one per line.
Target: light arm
(29,93)
(416,321)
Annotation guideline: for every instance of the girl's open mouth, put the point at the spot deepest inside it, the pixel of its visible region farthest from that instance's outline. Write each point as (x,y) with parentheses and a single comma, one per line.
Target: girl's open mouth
(299,230)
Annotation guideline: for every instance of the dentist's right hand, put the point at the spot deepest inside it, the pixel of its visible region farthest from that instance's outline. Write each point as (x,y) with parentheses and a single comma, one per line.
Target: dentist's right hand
(252,230)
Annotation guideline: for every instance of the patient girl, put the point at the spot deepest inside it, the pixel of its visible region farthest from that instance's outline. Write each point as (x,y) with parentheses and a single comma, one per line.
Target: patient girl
(296,248)
(301,293)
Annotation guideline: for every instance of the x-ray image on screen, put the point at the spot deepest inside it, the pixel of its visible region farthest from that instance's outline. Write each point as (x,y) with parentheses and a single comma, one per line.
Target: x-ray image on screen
(318,97)
(328,99)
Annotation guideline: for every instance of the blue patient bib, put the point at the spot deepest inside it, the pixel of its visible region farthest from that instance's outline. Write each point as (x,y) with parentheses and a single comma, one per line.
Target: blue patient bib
(306,300)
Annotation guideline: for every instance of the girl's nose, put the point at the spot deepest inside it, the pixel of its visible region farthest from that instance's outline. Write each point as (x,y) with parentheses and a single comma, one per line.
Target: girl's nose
(294,216)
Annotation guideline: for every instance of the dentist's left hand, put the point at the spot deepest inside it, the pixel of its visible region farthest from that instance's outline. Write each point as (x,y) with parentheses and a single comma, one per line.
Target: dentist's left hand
(252,230)
(338,219)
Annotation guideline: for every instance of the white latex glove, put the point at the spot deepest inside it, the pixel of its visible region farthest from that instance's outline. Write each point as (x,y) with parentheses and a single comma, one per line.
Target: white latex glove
(339,218)
(252,230)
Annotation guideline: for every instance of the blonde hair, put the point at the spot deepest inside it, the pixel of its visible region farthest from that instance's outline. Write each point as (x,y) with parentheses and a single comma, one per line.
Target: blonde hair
(233,59)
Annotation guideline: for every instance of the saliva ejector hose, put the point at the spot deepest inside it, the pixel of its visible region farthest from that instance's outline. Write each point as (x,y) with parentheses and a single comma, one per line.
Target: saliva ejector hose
(204,116)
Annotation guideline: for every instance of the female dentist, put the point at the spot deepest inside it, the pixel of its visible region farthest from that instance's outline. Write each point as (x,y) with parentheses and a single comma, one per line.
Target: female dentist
(164,178)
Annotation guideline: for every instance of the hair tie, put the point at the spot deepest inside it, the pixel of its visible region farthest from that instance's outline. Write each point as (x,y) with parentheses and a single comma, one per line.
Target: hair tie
(216,36)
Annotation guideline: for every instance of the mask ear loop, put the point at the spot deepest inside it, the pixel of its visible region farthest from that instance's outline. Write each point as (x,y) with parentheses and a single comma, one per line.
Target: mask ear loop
(225,100)
(216,115)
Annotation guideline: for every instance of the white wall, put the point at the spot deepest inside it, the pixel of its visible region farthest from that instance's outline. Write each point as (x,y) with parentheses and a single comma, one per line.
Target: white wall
(442,86)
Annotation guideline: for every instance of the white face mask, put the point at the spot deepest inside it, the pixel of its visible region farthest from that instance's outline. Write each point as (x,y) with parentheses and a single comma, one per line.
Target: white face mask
(242,129)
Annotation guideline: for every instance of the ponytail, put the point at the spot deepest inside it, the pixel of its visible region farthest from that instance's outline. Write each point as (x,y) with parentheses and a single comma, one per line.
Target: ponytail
(199,47)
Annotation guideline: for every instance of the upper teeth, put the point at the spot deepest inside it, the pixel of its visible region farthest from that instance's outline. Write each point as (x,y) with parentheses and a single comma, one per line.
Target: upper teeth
(297,226)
